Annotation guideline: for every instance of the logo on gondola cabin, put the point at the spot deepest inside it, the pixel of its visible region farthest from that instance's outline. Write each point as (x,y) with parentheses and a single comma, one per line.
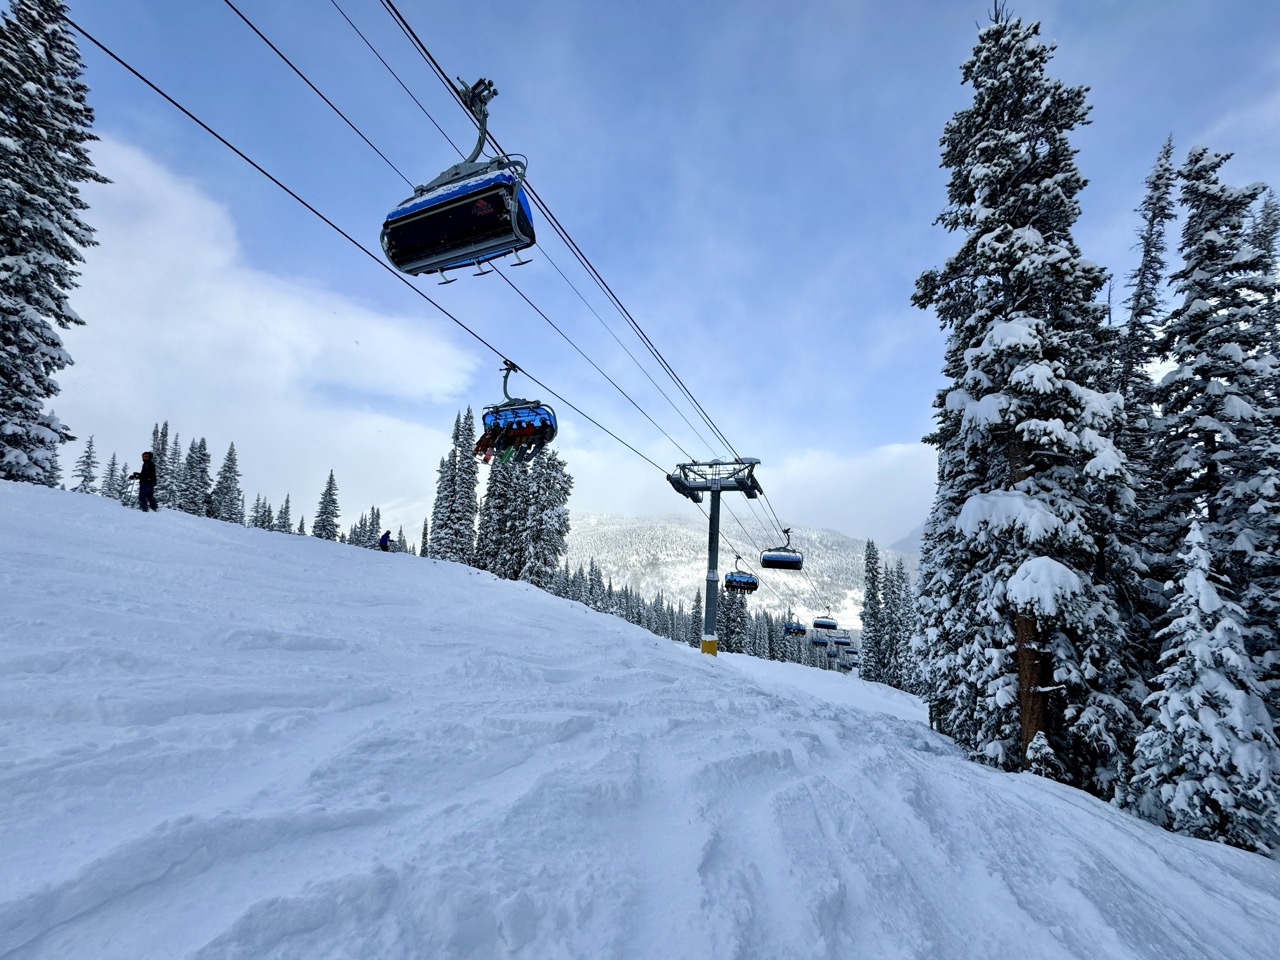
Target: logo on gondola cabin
(481,208)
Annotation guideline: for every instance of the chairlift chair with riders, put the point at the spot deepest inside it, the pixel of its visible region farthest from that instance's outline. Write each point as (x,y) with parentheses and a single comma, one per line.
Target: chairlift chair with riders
(521,426)
(784,557)
(740,581)
(793,630)
(475,211)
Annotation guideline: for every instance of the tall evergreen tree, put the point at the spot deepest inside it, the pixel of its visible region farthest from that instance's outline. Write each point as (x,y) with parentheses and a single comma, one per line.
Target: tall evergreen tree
(1261,596)
(1217,454)
(443,543)
(898,627)
(874,652)
(1020,638)
(169,475)
(227,499)
(283,522)
(464,505)
(86,471)
(1209,763)
(696,618)
(44,130)
(426,531)
(196,482)
(1137,351)
(496,545)
(545,532)
(325,524)
(160,447)
(124,492)
(112,480)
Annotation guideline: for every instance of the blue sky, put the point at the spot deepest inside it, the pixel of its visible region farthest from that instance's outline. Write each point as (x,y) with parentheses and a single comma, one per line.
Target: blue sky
(756,182)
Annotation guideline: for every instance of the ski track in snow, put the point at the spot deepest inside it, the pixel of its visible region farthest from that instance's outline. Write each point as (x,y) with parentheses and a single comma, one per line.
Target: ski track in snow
(222,743)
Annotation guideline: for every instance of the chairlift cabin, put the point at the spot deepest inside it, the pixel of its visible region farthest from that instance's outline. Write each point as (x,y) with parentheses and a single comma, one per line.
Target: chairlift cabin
(824,623)
(793,630)
(818,641)
(782,558)
(473,212)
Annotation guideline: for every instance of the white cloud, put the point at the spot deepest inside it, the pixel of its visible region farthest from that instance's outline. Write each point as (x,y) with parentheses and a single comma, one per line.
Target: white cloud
(302,379)
(882,493)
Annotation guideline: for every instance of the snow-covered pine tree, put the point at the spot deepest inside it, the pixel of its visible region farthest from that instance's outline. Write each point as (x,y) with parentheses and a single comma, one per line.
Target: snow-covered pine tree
(897,655)
(1217,446)
(302,526)
(426,531)
(263,516)
(560,583)
(44,130)
(874,654)
(578,585)
(464,505)
(1261,597)
(597,598)
(1264,228)
(196,482)
(1018,637)
(169,475)
(1208,764)
(696,617)
(325,524)
(731,621)
(53,466)
(111,481)
(546,521)
(1144,604)
(400,544)
(86,470)
(499,521)
(227,499)
(443,543)
(124,493)
(160,448)
(283,522)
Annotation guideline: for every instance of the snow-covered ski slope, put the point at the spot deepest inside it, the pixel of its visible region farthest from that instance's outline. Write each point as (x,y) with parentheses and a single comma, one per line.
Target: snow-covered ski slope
(218,742)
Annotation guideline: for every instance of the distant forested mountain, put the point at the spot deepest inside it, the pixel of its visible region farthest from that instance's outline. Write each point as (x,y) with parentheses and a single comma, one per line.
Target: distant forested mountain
(669,553)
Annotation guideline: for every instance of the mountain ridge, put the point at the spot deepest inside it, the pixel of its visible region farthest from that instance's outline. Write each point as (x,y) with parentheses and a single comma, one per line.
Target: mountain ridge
(669,553)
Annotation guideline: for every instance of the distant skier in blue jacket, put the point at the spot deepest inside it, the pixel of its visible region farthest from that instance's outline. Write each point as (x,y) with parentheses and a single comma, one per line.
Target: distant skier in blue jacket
(384,542)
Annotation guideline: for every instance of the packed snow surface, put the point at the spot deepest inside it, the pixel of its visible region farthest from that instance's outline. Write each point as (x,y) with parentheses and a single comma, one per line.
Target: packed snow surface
(218,742)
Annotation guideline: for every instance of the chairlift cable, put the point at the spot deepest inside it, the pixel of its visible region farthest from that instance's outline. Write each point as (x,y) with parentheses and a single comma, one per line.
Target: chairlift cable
(316,90)
(639,366)
(403,86)
(569,340)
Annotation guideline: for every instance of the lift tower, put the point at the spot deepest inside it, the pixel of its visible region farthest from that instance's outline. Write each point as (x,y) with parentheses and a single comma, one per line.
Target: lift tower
(692,480)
